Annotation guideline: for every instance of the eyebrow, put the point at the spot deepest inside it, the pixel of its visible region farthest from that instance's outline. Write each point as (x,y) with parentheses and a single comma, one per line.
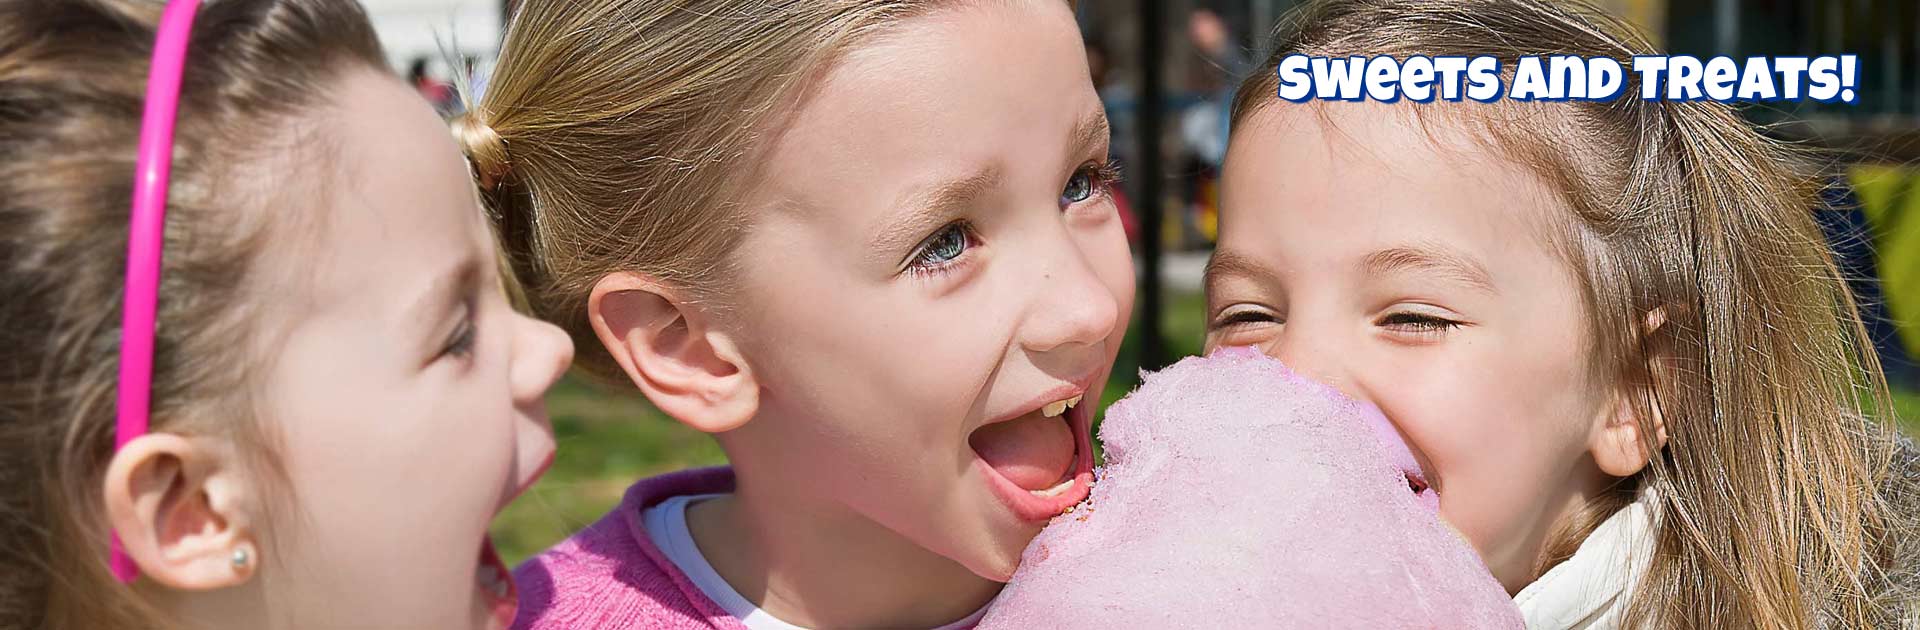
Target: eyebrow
(1228,263)
(1092,131)
(927,207)
(1432,259)
(446,291)
(1225,263)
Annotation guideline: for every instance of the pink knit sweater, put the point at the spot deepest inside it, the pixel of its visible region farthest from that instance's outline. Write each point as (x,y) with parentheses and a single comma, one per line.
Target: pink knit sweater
(610,576)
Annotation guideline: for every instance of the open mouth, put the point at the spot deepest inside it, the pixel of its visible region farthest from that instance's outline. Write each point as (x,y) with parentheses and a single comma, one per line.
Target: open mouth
(1040,463)
(495,584)
(493,580)
(1422,492)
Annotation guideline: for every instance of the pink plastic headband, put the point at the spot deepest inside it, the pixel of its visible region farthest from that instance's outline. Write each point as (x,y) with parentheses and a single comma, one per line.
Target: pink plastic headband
(146,228)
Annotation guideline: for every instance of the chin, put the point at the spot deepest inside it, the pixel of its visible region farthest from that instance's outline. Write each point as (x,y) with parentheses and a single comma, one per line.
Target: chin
(998,561)
(999,568)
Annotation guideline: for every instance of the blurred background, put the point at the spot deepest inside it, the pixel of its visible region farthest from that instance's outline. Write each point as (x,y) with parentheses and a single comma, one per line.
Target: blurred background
(1166,70)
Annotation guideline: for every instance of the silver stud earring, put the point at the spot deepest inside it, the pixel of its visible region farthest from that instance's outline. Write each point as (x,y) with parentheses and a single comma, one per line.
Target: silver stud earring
(241,558)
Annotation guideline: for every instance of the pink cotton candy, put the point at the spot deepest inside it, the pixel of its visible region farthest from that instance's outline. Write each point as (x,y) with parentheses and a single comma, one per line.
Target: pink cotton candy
(1238,494)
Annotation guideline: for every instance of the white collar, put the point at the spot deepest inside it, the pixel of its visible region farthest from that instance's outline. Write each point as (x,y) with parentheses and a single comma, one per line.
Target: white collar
(666,525)
(1590,590)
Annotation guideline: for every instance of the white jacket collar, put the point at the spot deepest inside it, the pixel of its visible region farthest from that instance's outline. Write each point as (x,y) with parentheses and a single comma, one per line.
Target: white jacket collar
(1590,590)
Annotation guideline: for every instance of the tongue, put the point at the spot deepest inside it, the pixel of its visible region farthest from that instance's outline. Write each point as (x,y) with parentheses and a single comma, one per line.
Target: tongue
(1033,452)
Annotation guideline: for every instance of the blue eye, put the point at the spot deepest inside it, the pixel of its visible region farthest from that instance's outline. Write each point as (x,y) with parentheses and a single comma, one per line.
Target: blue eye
(1079,187)
(943,247)
(1088,182)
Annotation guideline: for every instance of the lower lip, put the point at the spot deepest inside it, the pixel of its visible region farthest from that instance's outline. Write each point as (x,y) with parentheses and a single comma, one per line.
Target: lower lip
(1034,508)
(497,590)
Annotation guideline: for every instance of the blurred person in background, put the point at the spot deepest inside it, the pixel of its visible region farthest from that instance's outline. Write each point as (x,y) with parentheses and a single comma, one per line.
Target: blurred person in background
(439,93)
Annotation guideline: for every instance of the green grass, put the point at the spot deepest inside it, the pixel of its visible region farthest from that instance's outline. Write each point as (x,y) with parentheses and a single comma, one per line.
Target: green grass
(1906,406)
(607,439)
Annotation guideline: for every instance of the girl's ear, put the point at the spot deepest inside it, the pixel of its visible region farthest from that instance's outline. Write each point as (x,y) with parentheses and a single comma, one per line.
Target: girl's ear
(673,353)
(182,510)
(1624,442)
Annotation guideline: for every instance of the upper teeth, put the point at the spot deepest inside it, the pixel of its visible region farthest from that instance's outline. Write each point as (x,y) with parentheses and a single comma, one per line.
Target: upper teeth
(1059,407)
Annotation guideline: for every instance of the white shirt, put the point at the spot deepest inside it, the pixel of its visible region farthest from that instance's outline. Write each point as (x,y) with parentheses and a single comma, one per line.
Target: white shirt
(666,524)
(1590,591)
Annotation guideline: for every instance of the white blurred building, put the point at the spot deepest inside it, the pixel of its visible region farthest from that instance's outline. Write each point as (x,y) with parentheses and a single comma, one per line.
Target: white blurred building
(442,32)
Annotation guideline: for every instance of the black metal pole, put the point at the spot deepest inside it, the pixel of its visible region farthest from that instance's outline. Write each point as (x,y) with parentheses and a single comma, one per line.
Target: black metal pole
(1152,177)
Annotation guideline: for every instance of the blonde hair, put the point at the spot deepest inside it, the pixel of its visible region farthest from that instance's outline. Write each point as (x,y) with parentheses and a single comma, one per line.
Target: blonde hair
(73,75)
(1770,492)
(618,135)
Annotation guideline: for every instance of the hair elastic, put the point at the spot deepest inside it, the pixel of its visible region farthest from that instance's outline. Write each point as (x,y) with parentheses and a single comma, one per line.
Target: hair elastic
(146,229)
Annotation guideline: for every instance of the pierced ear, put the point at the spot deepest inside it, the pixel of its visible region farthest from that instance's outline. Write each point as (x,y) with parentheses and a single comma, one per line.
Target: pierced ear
(179,507)
(1625,441)
(670,349)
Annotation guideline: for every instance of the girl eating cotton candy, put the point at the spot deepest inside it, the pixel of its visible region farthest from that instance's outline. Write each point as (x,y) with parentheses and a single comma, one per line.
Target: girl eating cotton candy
(1609,332)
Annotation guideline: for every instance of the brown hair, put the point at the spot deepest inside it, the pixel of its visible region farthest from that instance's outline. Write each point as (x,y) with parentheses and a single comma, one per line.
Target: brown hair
(1769,493)
(73,76)
(617,135)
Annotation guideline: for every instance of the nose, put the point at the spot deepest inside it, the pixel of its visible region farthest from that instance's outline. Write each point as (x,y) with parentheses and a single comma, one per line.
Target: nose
(1070,305)
(541,354)
(1311,353)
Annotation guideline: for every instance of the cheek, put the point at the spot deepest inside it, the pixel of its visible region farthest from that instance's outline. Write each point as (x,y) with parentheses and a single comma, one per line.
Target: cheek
(867,345)
(439,465)
(863,379)
(1481,428)
(376,481)
(390,460)
(1502,427)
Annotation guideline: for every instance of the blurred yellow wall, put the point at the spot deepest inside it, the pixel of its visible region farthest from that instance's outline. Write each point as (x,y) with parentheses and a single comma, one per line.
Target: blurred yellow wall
(1649,15)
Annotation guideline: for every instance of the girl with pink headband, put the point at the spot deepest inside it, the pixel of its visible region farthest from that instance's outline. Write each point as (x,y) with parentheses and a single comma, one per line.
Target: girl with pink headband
(281,388)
